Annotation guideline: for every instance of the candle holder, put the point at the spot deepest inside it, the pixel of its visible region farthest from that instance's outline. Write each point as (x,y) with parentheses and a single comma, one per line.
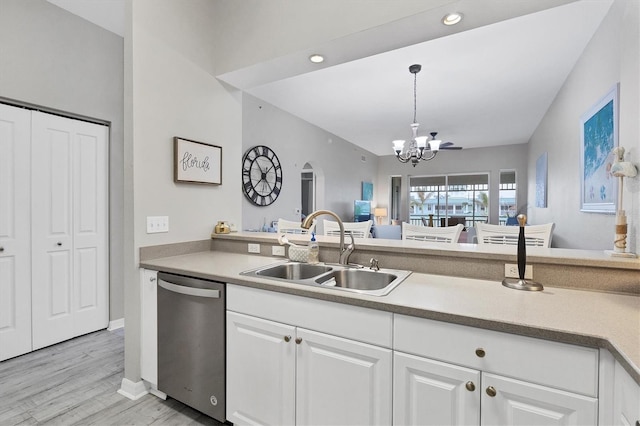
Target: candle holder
(621,169)
(521,283)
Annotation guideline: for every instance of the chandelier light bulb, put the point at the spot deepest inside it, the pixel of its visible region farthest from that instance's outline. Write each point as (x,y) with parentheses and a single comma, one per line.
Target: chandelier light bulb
(421,141)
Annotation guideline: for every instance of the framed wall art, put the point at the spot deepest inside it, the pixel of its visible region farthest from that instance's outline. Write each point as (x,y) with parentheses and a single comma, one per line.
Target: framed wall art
(196,162)
(367,191)
(541,181)
(598,137)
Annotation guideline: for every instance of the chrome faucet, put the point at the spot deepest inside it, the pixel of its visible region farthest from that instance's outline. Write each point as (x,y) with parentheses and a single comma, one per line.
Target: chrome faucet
(345,252)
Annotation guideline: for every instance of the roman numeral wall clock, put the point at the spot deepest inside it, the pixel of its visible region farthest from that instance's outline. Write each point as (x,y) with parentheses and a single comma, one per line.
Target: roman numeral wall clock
(261,175)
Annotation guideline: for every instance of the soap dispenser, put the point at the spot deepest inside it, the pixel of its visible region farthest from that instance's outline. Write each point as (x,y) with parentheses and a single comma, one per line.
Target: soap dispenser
(314,249)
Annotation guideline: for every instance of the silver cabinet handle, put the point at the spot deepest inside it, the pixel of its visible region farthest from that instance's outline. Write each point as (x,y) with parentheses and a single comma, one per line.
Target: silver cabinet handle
(470,386)
(152,279)
(480,353)
(298,340)
(58,243)
(287,338)
(190,291)
(491,391)
(1,249)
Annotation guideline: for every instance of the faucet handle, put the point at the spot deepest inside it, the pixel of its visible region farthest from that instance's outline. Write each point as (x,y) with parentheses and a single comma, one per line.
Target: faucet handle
(373,264)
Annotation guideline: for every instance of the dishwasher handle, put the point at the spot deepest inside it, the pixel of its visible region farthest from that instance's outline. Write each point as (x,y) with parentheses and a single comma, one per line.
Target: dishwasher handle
(189,291)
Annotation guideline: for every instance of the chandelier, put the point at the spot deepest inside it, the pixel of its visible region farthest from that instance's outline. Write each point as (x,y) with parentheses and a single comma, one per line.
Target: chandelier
(420,148)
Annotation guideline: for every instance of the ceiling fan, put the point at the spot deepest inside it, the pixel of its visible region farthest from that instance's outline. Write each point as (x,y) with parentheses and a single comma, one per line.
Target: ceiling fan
(441,145)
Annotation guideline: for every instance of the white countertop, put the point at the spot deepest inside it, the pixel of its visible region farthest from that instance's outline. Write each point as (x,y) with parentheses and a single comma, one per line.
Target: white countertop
(589,318)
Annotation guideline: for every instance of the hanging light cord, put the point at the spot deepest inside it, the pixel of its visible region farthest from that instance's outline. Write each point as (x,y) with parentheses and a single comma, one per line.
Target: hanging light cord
(415,96)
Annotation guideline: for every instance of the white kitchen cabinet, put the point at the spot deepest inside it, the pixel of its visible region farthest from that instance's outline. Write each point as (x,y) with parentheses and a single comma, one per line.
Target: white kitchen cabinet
(506,401)
(428,392)
(283,373)
(15,250)
(626,401)
(341,381)
(149,326)
(514,383)
(261,366)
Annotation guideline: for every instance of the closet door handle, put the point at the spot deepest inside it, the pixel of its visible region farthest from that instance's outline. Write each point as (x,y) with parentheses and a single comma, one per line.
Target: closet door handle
(1,249)
(59,244)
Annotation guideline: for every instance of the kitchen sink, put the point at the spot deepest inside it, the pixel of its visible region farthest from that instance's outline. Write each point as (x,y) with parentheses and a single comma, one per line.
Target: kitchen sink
(355,279)
(358,279)
(293,271)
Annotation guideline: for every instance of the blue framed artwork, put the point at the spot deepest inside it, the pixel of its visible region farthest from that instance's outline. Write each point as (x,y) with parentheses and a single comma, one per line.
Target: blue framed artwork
(541,181)
(367,191)
(598,137)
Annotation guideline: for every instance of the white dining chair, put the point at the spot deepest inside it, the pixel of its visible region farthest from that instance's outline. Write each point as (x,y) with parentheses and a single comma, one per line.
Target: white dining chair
(357,229)
(446,234)
(535,235)
(292,227)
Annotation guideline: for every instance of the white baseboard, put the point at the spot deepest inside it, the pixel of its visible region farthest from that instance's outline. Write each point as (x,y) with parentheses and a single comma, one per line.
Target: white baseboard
(132,390)
(159,394)
(153,390)
(116,324)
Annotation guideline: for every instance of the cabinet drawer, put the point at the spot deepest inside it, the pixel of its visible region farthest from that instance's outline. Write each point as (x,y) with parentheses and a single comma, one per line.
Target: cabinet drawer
(352,322)
(560,365)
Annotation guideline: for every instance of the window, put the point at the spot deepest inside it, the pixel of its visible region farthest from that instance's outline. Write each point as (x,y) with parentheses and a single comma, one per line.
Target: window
(507,197)
(449,199)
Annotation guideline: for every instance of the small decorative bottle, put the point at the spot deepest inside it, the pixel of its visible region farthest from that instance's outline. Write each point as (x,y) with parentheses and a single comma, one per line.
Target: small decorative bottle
(314,249)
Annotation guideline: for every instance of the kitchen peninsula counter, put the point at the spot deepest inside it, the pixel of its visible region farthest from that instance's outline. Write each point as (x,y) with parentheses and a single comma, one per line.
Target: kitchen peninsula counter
(588,318)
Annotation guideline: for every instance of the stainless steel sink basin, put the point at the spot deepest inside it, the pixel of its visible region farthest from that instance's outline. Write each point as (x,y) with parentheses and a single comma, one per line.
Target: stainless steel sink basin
(293,271)
(339,277)
(358,279)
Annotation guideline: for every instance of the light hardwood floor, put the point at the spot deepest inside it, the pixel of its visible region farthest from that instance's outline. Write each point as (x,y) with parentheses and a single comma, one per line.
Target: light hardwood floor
(76,383)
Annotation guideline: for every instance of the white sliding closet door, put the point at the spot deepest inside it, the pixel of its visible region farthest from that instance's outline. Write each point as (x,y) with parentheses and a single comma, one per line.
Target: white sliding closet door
(15,252)
(69,228)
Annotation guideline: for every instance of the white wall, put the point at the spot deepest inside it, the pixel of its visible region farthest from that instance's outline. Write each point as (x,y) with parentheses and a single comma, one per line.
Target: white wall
(58,61)
(170,92)
(481,160)
(297,142)
(611,56)
(172,51)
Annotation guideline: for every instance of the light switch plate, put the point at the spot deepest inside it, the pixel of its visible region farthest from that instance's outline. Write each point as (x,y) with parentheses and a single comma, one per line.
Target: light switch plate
(156,224)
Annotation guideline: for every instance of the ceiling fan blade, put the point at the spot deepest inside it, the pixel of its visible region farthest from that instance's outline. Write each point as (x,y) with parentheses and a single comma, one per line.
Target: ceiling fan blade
(445,144)
(451,147)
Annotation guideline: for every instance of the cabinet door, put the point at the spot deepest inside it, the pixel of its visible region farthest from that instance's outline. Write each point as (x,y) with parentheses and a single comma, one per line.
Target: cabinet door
(149,326)
(15,247)
(261,369)
(428,392)
(520,403)
(341,381)
(626,399)
(68,228)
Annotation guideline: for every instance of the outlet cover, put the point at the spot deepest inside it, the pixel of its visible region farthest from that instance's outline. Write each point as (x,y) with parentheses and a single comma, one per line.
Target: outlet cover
(511,271)
(254,248)
(277,250)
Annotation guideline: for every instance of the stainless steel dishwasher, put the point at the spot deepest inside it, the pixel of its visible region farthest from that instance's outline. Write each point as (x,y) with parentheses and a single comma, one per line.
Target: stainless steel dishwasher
(191,342)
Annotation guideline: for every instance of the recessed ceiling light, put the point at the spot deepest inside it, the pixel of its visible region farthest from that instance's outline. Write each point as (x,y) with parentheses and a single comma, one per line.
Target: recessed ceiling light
(316,58)
(452,18)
